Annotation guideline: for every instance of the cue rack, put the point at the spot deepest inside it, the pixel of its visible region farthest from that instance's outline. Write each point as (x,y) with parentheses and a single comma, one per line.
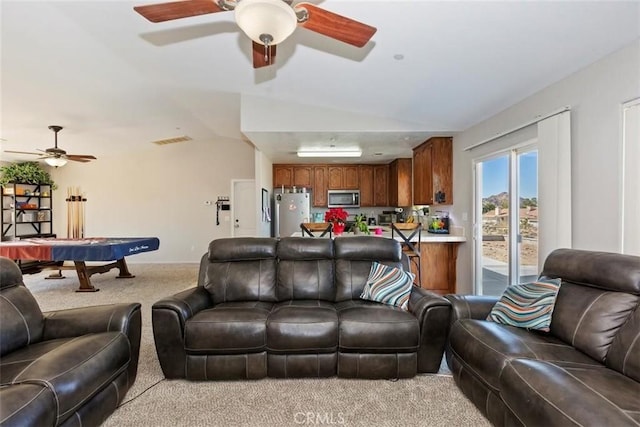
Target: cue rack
(75,213)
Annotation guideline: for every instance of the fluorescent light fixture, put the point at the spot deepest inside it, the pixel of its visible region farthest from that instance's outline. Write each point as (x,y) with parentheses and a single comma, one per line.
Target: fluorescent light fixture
(329,153)
(55,161)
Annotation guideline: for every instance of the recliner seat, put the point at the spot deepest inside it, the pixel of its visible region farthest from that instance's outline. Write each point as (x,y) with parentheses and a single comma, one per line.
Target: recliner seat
(67,367)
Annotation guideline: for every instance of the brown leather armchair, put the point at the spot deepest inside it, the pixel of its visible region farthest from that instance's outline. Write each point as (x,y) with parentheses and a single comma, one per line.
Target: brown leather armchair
(585,371)
(67,367)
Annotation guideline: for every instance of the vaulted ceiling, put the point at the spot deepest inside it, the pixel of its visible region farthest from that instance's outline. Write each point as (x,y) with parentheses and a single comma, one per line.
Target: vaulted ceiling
(117,82)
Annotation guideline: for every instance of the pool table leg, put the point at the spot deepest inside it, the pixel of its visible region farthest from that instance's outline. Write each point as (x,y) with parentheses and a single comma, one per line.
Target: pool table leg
(84,278)
(124,270)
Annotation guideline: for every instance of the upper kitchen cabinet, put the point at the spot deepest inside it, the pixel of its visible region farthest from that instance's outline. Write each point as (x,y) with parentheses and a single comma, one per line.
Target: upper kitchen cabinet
(319,187)
(293,176)
(303,176)
(366,185)
(381,185)
(400,182)
(343,177)
(432,172)
(282,176)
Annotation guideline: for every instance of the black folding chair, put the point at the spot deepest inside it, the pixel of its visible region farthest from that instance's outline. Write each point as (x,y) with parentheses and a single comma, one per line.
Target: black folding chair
(308,228)
(407,231)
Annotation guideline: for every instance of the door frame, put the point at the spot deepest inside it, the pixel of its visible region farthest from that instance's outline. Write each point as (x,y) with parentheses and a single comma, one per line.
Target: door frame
(513,253)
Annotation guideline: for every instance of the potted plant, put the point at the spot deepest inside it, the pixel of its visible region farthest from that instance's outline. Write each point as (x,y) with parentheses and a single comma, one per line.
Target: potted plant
(337,217)
(25,173)
(360,225)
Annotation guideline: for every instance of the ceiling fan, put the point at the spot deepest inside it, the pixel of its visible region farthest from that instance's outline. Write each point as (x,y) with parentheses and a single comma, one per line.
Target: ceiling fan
(56,156)
(267,22)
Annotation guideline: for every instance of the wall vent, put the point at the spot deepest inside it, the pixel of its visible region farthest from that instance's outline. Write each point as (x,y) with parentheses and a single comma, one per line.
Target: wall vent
(172,140)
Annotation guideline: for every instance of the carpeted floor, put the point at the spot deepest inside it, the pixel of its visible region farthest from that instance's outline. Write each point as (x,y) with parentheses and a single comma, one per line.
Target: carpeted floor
(426,400)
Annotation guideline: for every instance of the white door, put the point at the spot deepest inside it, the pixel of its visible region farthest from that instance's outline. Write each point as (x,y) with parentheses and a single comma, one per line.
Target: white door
(243,208)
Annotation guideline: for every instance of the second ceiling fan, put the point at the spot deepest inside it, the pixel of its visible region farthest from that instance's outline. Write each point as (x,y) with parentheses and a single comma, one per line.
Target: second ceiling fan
(267,22)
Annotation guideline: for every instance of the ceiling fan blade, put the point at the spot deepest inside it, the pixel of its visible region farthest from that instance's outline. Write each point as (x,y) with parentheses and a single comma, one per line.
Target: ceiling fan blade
(80,156)
(336,26)
(177,9)
(77,159)
(22,152)
(263,55)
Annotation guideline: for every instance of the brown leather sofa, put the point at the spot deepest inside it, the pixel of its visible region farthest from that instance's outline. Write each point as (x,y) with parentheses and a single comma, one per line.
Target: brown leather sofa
(585,371)
(62,368)
(290,307)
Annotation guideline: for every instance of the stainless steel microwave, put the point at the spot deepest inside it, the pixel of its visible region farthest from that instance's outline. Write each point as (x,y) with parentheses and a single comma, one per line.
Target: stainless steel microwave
(343,199)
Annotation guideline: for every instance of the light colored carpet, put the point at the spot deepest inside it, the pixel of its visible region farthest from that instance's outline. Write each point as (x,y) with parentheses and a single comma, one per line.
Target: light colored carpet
(426,400)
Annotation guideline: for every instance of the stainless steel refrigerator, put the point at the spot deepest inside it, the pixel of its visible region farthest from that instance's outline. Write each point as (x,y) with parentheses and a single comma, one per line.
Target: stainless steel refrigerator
(289,210)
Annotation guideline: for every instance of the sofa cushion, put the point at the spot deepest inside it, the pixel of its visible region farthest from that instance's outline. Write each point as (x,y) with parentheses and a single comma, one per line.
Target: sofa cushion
(21,321)
(486,347)
(624,353)
(241,269)
(296,327)
(228,328)
(75,370)
(528,305)
(27,405)
(589,318)
(569,395)
(305,269)
(388,285)
(376,328)
(354,256)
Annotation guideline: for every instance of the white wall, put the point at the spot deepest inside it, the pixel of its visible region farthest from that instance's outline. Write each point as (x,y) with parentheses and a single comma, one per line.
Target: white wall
(160,192)
(595,95)
(264,179)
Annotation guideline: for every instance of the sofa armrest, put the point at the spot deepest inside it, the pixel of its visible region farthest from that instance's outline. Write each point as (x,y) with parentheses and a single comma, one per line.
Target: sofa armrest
(433,312)
(169,316)
(471,306)
(90,320)
(125,318)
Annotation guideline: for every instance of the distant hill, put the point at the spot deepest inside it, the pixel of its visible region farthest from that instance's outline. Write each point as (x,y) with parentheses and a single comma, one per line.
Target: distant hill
(502,200)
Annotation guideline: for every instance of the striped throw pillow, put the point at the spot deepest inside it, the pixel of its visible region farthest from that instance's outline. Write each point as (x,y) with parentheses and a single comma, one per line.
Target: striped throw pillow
(388,285)
(529,305)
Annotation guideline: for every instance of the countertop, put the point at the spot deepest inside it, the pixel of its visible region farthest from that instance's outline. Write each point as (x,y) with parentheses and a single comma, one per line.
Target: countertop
(424,238)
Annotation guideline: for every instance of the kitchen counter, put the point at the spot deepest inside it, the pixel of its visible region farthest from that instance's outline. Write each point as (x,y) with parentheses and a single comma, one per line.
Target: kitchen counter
(438,256)
(386,232)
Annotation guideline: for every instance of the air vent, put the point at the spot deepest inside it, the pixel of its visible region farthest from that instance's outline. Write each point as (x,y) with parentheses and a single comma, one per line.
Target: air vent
(172,140)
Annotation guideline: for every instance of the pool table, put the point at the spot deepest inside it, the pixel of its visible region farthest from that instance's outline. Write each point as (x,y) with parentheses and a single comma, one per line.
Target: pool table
(56,251)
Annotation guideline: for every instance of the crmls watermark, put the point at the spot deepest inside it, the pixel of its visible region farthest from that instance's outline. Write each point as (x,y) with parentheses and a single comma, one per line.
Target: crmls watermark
(319,418)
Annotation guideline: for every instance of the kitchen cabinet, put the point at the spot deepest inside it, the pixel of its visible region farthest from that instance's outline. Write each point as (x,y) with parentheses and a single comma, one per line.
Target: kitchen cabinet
(366,185)
(293,176)
(343,177)
(433,172)
(303,176)
(400,182)
(282,176)
(438,265)
(381,185)
(319,187)
(26,211)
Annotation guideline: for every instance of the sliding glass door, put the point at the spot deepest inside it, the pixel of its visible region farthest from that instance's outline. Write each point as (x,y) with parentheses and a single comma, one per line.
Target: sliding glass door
(506,220)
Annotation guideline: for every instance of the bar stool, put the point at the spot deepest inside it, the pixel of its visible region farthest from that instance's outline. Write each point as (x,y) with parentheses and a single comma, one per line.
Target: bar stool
(407,231)
(308,228)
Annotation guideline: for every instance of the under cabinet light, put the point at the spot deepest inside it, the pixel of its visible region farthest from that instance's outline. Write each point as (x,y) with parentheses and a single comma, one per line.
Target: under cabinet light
(330,153)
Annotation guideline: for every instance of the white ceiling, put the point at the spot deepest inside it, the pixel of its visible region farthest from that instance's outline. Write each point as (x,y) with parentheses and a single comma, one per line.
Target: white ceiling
(116,82)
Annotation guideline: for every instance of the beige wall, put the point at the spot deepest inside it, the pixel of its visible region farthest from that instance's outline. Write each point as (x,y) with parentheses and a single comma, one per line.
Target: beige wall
(595,95)
(160,192)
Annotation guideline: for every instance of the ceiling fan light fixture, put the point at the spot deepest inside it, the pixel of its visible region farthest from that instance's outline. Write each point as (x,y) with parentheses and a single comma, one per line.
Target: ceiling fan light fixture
(262,20)
(55,161)
(329,153)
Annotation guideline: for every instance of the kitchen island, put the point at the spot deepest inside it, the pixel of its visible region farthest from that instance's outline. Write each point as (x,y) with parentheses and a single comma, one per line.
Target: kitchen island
(438,257)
